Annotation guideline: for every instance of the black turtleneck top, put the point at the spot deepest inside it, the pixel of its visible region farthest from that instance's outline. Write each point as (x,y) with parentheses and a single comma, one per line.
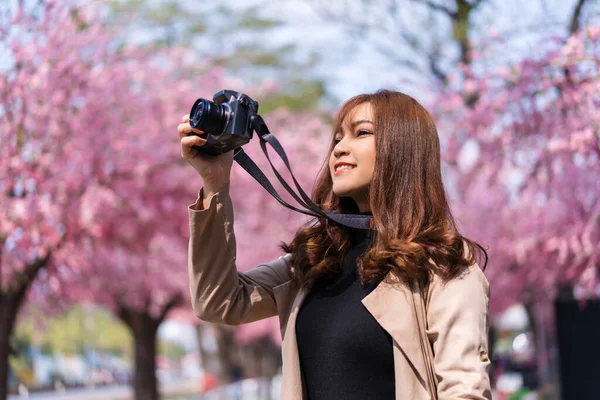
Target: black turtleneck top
(344,353)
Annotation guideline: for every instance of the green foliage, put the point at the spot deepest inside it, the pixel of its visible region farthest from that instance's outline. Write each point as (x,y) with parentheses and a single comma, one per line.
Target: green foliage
(82,327)
(520,394)
(71,333)
(234,38)
(171,350)
(252,22)
(166,22)
(301,96)
(19,360)
(166,13)
(196,29)
(120,7)
(82,25)
(21,367)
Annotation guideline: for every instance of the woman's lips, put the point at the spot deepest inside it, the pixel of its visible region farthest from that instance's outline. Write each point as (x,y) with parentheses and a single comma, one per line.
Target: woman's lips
(342,170)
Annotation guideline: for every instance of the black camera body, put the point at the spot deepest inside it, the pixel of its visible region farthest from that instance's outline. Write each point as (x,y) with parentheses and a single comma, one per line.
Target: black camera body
(225,121)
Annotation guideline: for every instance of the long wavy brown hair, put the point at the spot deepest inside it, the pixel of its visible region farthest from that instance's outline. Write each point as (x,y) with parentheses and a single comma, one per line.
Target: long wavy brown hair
(415,232)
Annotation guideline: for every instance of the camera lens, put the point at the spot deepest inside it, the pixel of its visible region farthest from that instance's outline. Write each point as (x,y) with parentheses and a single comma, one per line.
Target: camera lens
(209,116)
(199,113)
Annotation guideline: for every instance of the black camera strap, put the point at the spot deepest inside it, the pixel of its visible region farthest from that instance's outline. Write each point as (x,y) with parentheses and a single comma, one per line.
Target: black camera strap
(242,158)
(260,127)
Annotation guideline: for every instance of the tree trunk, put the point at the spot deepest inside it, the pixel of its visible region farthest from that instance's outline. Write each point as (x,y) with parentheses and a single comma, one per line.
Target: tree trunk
(205,354)
(11,300)
(543,358)
(145,382)
(226,351)
(210,357)
(222,362)
(9,307)
(144,328)
(262,360)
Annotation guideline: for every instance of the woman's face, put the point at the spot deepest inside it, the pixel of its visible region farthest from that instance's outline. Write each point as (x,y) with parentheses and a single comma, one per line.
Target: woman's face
(355,148)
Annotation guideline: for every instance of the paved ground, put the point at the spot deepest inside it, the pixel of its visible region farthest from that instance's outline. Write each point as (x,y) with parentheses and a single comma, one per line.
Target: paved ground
(250,389)
(117,392)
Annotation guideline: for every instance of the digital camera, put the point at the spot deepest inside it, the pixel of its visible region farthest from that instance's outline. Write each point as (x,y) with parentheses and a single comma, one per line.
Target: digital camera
(225,121)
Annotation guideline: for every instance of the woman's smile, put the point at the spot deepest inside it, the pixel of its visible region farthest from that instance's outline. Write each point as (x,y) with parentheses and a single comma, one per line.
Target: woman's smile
(343,168)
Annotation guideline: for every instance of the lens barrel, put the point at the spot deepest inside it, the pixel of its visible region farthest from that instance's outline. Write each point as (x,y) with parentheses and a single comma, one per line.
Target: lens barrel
(209,116)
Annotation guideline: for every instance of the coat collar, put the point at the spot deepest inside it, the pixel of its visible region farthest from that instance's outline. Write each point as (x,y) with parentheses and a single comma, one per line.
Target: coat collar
(291,378)
(391,303)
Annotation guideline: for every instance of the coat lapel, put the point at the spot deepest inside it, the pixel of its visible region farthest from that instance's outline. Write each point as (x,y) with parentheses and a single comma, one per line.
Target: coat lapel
(291,380)
(391,303)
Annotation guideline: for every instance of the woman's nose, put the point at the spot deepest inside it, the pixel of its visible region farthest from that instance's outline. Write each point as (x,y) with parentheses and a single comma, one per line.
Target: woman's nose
(340,148)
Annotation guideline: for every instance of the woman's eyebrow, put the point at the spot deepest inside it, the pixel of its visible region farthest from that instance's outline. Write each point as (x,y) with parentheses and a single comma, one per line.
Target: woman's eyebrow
(362,121)
(355,124)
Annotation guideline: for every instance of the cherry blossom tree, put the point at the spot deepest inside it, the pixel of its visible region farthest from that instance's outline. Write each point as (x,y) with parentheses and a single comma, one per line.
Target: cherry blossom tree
(526,156)
(138,225)
(534,135)
(46,133)
(86,124)
(94,189)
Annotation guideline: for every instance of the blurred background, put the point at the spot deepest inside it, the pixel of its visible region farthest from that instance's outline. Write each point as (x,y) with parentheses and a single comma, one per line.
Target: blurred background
(94,298)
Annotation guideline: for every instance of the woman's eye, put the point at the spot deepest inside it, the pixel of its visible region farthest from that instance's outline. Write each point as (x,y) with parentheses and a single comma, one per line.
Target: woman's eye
(358,133)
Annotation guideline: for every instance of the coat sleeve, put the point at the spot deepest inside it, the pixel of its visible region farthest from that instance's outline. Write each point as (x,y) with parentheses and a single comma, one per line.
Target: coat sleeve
(457,320)
(218,291)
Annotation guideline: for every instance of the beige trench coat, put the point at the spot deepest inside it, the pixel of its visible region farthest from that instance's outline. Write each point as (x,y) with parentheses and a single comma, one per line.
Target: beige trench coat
(457,311)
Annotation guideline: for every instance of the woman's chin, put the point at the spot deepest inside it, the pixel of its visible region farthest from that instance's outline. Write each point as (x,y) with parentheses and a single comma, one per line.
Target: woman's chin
(342,192)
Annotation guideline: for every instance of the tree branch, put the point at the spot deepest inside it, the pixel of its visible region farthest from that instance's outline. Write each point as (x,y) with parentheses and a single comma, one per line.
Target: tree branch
(574,25)
(124,314)
(597,136)
(2,241)
(23,280)
(575,18)
(435,68)
(173,302)
(32,269)
(437,7)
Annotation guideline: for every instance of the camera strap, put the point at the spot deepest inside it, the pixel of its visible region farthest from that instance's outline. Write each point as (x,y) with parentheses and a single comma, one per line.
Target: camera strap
(240,156)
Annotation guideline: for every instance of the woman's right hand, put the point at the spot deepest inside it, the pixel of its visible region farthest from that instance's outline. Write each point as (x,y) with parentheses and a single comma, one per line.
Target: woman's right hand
(214,170)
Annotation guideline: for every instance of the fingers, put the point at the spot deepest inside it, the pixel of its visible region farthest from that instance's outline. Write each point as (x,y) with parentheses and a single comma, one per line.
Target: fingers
(189,141)
(185,118)
(184,129)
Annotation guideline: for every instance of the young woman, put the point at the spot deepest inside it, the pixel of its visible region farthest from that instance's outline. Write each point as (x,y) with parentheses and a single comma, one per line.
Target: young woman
(349,301)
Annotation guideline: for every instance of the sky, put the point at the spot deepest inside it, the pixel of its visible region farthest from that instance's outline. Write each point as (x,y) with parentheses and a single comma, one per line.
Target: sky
(352,61)
(351,64)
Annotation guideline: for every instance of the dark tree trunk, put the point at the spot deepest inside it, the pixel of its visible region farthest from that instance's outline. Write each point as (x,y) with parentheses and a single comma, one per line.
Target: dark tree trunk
(262,360)
(209,358)
(144,328)
(205,355)
(9,307)
(11,300)
(226,352)
(575,22)
(541,347)
(145,382)
(224,362)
